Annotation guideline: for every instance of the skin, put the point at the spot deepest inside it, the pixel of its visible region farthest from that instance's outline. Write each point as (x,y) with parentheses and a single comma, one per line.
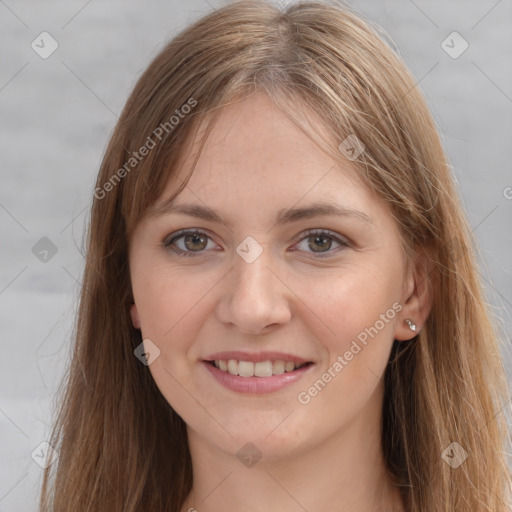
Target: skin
(323,455)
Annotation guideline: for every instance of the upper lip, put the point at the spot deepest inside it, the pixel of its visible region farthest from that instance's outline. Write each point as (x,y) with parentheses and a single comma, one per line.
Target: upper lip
(256,357)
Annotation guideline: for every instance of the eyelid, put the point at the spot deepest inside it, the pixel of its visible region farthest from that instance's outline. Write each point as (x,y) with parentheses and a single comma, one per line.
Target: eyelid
(322,231)
(186,231)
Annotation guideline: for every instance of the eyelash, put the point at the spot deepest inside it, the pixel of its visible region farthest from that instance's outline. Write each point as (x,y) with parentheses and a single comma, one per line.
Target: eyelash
(168,242)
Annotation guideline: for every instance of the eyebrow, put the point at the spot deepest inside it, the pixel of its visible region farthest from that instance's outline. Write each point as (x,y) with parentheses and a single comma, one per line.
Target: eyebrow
(284,216)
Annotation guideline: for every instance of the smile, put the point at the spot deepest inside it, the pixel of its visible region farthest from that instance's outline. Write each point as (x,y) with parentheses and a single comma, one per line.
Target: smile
(256,377)
(259,369)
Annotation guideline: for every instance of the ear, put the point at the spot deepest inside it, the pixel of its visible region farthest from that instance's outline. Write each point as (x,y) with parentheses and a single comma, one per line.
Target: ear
(135,316)
(416,298)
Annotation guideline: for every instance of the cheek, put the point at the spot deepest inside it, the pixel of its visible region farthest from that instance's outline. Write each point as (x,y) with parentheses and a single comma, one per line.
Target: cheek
(171,306)
(361,309)
(360,312)
(163,297)
(354,300)
(171,313)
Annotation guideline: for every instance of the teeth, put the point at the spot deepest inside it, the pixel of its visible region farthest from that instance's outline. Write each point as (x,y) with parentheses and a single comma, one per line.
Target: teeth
(233,367)
(278,367)
(245,368)
(260,369)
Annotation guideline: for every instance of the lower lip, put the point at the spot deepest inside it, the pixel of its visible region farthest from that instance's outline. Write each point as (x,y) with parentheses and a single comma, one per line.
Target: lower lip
(256,385)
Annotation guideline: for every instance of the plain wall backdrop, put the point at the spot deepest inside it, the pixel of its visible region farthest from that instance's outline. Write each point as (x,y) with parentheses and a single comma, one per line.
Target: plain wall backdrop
(56,117)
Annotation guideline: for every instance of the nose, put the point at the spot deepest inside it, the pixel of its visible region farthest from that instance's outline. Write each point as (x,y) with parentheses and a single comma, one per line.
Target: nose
(254,297)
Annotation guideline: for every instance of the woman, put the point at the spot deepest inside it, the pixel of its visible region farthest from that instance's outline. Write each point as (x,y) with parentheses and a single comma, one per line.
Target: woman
(280,308)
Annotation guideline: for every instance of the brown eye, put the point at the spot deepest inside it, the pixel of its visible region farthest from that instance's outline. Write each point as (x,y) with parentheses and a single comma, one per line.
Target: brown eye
(195,242)
(187,243)
(320,243)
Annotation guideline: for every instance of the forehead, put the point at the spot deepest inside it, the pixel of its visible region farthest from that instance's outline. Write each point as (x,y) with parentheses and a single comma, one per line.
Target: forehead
(253,147)
(256,159)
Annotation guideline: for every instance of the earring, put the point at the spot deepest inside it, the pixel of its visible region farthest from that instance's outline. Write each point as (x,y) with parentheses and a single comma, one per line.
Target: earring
(411,325)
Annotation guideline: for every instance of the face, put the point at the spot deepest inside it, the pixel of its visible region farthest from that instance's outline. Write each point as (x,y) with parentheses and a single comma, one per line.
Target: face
(267,285)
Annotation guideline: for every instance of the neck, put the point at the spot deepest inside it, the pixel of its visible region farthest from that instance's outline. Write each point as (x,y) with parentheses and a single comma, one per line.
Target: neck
(345,472)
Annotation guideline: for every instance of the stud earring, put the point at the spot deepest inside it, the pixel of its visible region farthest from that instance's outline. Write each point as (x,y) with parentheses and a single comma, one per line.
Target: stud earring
(411,325)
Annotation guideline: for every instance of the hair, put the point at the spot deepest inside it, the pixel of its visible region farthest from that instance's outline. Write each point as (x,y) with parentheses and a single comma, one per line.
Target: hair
(121,445)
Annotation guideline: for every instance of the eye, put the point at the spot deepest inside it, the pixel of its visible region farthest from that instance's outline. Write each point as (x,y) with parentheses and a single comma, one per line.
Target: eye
(319,239)
(193,242)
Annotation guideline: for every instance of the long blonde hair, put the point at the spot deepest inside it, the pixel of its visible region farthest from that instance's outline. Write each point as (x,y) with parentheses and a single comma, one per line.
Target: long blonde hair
(121,445)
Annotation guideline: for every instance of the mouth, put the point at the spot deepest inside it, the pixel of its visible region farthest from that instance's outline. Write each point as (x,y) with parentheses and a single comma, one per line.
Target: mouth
(256,373)
(259,369)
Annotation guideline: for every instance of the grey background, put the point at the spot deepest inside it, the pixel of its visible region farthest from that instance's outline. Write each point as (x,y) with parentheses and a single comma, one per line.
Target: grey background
(57,115)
